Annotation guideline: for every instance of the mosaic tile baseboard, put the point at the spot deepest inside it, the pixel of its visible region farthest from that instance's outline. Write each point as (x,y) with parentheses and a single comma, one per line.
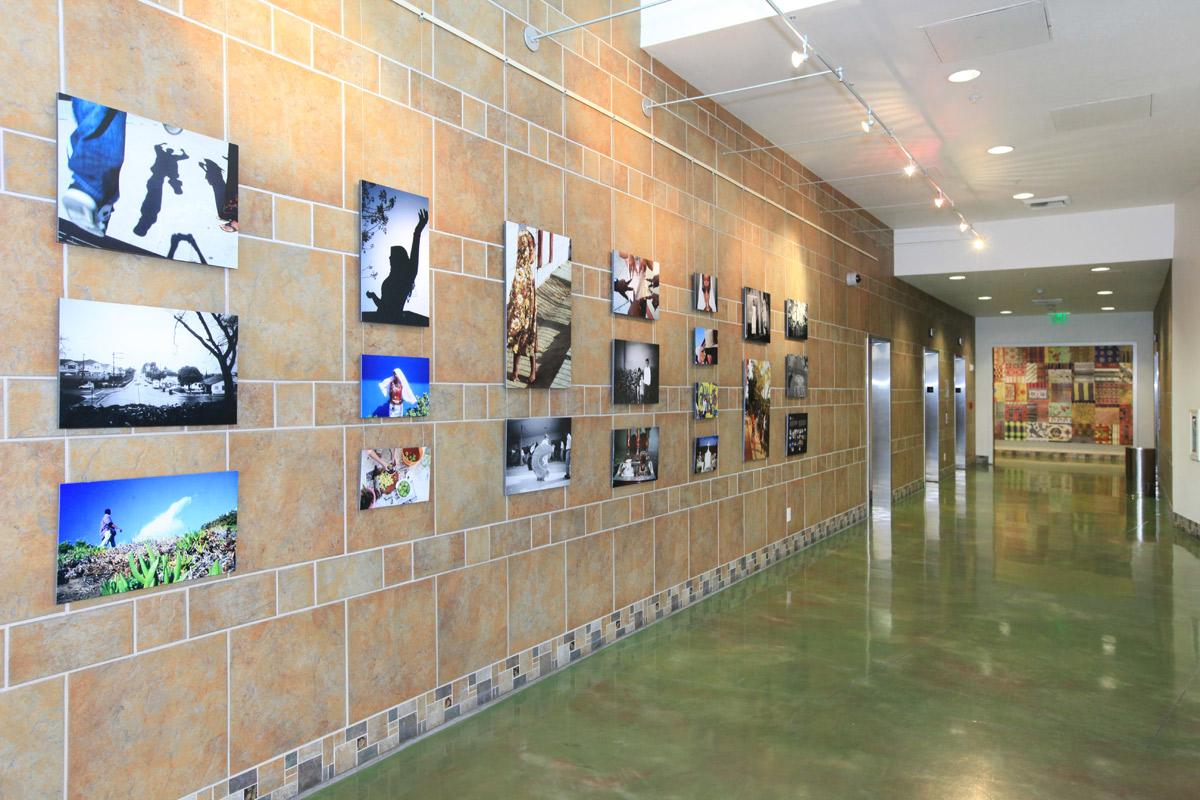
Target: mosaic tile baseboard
(907,490)
(317,763)
(1062,456)
(1186,525)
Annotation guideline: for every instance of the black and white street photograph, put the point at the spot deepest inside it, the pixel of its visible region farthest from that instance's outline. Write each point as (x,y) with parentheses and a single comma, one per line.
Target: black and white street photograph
(125,366)
(635,456)
(795,319)
(796,376)
(756,314)
(537,454)
(635,373)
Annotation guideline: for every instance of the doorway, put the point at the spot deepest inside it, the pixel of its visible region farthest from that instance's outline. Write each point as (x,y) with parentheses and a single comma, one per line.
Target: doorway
(879,424)
(960,412)
(932,415)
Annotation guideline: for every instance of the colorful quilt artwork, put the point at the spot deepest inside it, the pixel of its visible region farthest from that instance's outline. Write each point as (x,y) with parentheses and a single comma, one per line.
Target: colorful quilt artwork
(1064,394)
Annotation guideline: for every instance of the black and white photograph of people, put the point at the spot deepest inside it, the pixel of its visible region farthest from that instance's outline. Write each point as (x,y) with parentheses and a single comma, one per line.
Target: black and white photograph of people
(537,291)
(795,319)
(705,290)
(140,186)
(796,376)
(756,311)
(635,286)
(635,455)
(538,454)
(635,372)
(136,366)
(393,256)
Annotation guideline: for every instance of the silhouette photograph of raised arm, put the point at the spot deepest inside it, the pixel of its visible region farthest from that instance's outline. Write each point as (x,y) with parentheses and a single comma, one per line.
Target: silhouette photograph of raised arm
(393,256)
(537,310)
(136,185)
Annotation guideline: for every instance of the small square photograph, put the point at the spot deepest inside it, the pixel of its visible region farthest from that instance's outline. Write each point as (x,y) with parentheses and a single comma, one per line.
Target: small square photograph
(538,454)
(704,347)
(394,386)
(797,434)
(635,373)
(795,318)
(136,185)
(706,455)
(706,400)
(796,374)
(635,286)
(537,309)
(135,366)
(393,256)
(756,439)
(705,289)
(756,314)
(635,456)
(121,536)
(394,476)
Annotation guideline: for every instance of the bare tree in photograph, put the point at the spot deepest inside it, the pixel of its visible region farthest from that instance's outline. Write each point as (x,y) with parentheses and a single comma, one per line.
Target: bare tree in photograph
(222,344)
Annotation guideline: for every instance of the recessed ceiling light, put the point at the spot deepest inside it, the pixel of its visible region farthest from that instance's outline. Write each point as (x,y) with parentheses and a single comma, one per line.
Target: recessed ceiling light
(1000,149)
(1006,311)
(1104,292)
(1108,308)
(984,297)
(1101,269)
(963,76)
(958,277)
(1023,196)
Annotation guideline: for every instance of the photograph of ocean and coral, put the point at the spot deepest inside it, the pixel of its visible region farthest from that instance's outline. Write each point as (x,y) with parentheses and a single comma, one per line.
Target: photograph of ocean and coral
(121,536)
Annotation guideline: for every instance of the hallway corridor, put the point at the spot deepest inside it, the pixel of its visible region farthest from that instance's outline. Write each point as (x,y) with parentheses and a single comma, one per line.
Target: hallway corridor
(1027,632)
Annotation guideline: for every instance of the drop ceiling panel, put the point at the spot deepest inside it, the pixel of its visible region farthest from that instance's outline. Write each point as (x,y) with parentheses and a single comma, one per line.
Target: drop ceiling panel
(996,31)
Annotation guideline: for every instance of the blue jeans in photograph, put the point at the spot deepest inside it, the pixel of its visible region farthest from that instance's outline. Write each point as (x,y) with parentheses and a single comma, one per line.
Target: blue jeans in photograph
(97,150)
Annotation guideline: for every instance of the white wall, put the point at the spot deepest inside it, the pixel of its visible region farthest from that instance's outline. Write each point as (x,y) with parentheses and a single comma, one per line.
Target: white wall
(1054,240)
(1082,329)
(1185,353)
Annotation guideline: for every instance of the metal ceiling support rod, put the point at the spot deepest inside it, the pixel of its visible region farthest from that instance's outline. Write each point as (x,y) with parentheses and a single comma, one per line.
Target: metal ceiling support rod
(648,106)
(887,130)
(533,37)
(822,140)
(856,209)
(889,173)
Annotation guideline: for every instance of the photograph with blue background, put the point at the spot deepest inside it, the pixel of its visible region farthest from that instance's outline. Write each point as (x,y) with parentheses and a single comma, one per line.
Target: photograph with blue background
(116,536)
(394,386)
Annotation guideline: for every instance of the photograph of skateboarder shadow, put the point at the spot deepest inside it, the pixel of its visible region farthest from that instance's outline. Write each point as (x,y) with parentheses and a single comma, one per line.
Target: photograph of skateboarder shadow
(394,256)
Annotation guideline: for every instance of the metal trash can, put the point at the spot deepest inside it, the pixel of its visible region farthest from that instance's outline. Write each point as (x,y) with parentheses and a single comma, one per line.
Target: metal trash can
(1141,471)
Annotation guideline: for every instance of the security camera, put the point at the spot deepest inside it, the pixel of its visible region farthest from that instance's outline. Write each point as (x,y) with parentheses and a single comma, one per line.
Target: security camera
(853,278)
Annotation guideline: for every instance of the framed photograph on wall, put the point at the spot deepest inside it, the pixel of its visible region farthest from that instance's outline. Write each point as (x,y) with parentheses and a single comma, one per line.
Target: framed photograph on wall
(704,289)
(537,308)
(705,459)
(635,373)
(756,315)
(635,456)
(1194,419)
(795,318)
(393,257)
(796,375)
(537,454)
(704,347)
(634,286)
(394,386)
(125,535)
(797,434)
(706,400)
(394,476)
(141,186)
(136,366)
(756,438)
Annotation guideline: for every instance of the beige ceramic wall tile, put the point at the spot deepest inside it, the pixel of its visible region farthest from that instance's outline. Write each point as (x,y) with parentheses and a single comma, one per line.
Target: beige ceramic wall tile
(391,647)
(58,644)
(29,503)
(467,329)
(470,174)
(235,601)
(589,578)
(161,619)
(28,165)
(28,67)
(349,575)
(172,746)
(633,562)
(33,273)
(472,627)
(31,740)
(536,599)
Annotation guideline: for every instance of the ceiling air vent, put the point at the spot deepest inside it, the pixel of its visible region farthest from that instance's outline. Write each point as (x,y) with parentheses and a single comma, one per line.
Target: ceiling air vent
(1040,203)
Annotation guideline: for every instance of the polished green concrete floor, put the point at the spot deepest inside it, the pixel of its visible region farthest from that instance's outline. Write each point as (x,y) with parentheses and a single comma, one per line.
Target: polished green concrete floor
(1022,633)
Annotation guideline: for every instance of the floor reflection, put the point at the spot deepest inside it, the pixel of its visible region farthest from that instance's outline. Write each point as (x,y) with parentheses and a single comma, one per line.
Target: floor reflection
(1026,632)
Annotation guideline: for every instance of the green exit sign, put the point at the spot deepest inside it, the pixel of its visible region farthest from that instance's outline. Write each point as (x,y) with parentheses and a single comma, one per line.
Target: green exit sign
(1060,317)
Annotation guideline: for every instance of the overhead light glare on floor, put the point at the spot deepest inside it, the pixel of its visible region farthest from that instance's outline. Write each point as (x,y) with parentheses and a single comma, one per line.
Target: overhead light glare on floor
(1005,312)
(984,297)
(963,76)
(1023,196)
(958,277)
(1104,292)
(1108,308)
(1101,269)
(1000,150)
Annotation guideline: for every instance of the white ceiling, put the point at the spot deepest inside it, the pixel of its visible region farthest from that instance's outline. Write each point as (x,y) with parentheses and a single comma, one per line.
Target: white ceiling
(1096,50)
(1135,286)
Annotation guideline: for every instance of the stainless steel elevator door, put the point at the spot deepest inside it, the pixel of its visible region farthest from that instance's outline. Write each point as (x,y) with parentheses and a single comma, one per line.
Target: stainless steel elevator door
(880,423)
(960,412)
(932,455)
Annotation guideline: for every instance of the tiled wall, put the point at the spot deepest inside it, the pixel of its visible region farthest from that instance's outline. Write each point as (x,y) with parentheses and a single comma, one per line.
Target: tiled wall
(336,617)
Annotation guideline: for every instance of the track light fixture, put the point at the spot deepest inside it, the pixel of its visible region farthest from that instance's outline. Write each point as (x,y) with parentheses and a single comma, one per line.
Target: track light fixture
(910,168)
(801,55)
(940,200)
(979,242)
(963,225)
(869,122)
